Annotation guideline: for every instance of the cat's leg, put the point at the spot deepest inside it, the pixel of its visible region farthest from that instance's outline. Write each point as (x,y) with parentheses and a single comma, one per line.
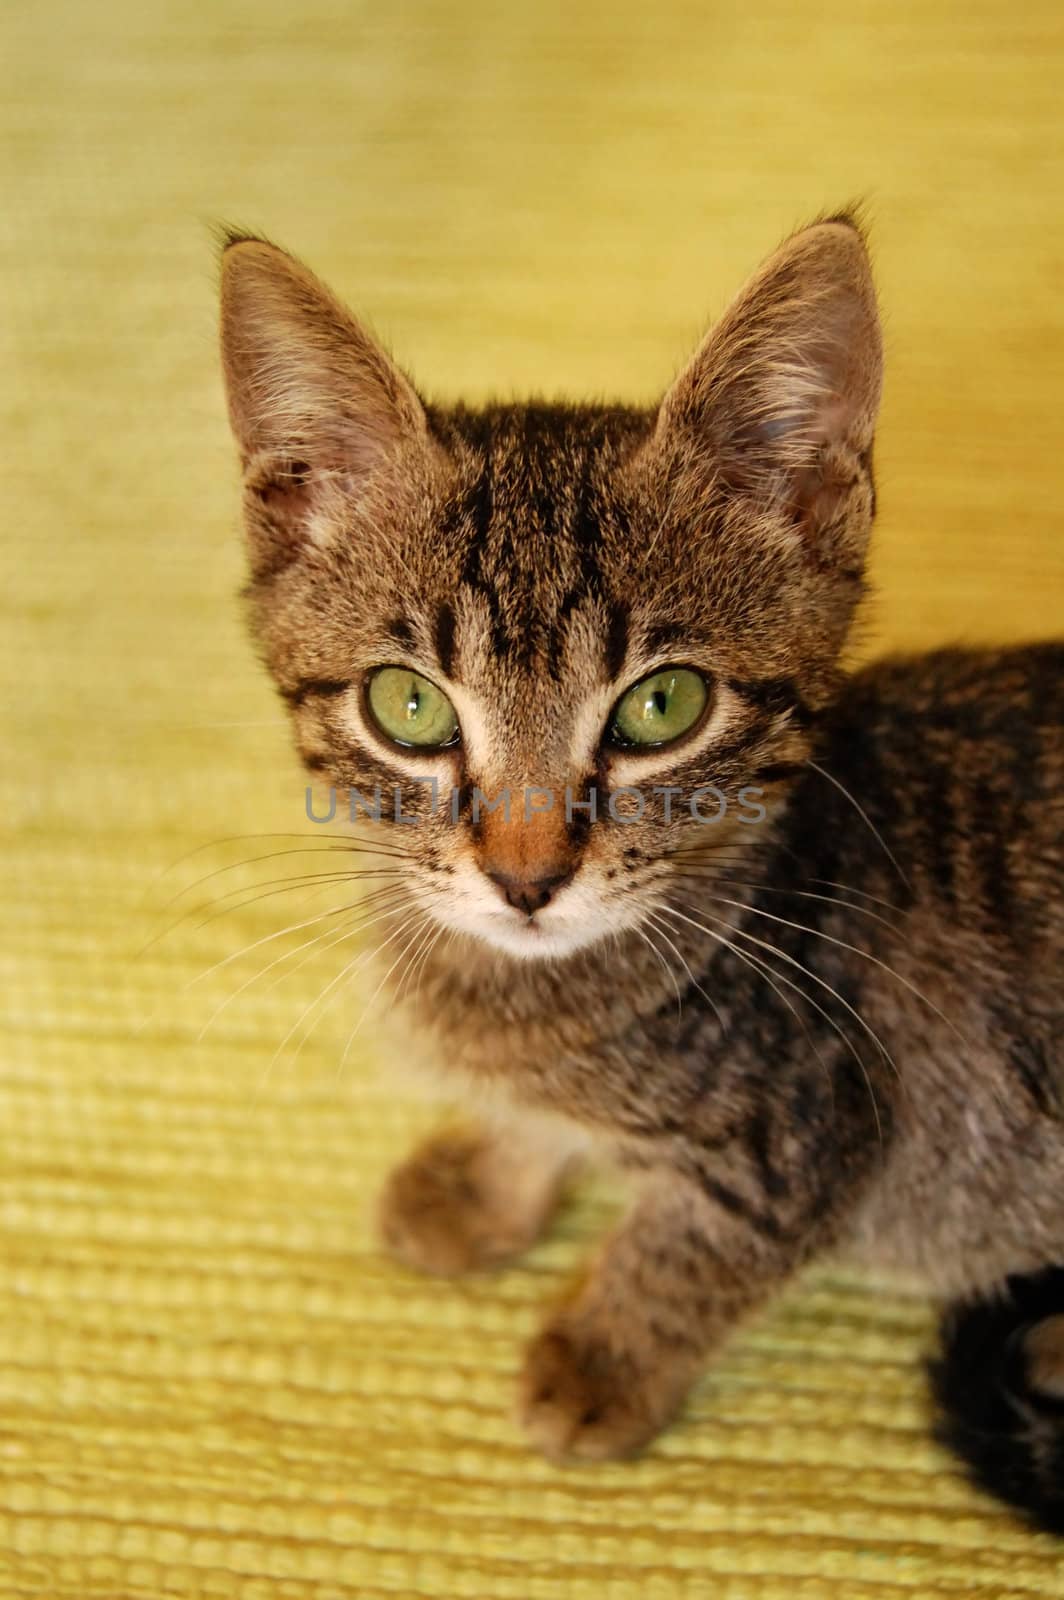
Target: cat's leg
(478,1194)
(614,1365)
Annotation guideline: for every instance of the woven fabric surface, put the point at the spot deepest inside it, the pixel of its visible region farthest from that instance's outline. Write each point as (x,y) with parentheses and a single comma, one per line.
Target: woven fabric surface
(211,1383)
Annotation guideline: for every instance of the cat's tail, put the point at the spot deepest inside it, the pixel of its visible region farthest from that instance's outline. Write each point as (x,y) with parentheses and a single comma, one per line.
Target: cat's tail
(999,1382)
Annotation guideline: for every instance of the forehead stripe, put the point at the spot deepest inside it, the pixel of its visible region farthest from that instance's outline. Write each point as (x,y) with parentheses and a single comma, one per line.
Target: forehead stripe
(401,631)
(616,639)
(445,629)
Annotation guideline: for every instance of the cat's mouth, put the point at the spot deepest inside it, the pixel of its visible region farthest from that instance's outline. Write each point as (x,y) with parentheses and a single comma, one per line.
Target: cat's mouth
(546,935)
(535,936)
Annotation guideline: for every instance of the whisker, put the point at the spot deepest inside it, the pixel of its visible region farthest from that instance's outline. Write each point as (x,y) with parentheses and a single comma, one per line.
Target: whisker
(683,962)
(339,874)
(854,949)
(348,839)
(451,933)
(757,965)
(435,930)
(353,849)
(866,819)
(783,955)
(384,902)
(732,856)
(279,933)
(876,899)
(251,861)
(330,988)
(318,943)
(753,850)
(805,894)
(369,1003)
(235,955)
(291,885)
(668,970)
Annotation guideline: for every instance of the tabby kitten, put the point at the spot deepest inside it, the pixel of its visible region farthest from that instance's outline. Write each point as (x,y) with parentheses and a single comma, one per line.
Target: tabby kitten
(783,943)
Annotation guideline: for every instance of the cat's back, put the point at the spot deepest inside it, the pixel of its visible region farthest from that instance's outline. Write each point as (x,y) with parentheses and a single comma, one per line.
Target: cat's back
(984,694)
(958,747)
(956,760)
(946,797)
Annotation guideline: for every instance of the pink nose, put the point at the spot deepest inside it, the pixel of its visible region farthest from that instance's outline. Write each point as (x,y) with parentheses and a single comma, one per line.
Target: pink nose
(529,895)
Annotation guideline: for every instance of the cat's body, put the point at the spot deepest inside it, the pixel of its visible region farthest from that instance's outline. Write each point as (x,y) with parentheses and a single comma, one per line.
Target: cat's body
(822,1012)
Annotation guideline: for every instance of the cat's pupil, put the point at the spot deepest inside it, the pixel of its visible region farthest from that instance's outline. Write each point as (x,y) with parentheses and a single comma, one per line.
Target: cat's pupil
(413,704)
(661,701)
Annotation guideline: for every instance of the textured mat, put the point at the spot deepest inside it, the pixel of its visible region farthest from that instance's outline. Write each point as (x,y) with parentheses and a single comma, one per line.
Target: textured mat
(210,1383)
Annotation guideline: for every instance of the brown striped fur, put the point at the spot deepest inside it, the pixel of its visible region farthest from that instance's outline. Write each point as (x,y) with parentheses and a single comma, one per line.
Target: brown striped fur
(837,1029)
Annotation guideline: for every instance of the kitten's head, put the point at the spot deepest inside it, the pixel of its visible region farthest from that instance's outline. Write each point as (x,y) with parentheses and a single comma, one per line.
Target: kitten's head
(540,606)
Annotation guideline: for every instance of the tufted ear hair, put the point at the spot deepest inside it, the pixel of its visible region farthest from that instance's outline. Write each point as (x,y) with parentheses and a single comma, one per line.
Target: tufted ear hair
(779,404)
(314,402)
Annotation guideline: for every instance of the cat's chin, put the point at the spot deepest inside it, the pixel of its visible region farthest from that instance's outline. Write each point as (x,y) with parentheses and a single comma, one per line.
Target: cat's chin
(531,941)
(526,939)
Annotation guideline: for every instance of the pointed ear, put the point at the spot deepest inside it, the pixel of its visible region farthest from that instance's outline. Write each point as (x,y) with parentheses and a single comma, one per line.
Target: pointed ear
(780,402)
(312,397)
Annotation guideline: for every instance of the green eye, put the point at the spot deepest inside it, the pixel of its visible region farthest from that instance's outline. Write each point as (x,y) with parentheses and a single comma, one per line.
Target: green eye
(659,708)
(409,709)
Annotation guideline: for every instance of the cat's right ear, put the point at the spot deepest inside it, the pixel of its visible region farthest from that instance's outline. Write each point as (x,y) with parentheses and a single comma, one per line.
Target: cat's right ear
(316,406)
(778,407)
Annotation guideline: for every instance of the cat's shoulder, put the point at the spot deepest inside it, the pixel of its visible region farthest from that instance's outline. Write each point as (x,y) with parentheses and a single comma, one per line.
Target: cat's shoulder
(967,684)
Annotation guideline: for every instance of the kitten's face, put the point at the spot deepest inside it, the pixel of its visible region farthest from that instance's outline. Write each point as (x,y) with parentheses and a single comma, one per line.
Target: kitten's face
(524,625)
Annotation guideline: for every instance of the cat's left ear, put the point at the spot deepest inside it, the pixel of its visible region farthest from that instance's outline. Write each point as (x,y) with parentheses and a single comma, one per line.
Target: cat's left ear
(779,404)
(318,409)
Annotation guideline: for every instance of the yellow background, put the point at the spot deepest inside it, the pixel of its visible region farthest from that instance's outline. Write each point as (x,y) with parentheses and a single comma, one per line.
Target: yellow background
(210,1383)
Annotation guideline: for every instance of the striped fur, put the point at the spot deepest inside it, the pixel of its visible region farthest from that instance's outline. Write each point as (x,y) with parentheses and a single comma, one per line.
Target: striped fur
(836,1027)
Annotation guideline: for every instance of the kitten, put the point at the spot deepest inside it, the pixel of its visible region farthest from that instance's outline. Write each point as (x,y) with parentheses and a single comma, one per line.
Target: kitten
(783,943)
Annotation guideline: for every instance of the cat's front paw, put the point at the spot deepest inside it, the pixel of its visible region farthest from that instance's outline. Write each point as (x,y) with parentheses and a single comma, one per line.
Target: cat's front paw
(461,1202)
(584,1395)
